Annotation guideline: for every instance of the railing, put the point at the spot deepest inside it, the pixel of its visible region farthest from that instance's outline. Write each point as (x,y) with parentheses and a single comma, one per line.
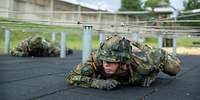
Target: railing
(137,28)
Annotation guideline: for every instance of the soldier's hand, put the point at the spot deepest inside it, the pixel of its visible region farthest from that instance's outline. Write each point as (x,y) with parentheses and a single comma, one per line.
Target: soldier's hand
(110,84)
(104,84)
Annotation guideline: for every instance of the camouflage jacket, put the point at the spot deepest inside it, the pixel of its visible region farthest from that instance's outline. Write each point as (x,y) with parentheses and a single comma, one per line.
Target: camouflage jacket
(29,48)
(144,66)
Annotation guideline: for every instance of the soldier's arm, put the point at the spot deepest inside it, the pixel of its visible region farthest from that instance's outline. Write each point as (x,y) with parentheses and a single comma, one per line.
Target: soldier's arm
(84,73)
(146,49)
(146,60)
(82,76)
(145,69)
(143,66)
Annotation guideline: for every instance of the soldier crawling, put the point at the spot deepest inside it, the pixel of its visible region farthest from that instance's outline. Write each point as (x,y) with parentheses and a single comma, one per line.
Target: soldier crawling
(37,46)
(115,63)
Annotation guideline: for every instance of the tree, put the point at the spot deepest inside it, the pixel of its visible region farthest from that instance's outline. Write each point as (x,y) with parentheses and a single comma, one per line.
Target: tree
(156,3)
(192,4)
(130,5)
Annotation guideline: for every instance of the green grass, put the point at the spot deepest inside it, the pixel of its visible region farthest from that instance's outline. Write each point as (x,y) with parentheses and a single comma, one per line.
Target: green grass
(180,41)
(151,41)
(186,42)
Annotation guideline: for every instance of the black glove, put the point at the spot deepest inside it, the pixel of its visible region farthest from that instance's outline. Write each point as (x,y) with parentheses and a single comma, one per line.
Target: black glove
(104,84)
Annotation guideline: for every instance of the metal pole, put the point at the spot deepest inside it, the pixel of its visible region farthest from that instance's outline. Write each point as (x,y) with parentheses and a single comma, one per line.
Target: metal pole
(53,36)
(102,37)
(99,19)
(135,36)
(62,45)
(115,19)
(174,44)
(10,7)
(127,19)
(86,47)
(174,36)
(7,41)
(160,41)
(51,9)
(79,12)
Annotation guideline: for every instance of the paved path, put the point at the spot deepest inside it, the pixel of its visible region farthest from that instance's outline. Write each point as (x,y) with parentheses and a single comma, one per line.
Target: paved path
(27,78)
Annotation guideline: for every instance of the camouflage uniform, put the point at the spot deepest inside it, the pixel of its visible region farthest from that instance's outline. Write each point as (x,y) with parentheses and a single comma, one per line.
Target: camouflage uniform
(142,69)
(37,46)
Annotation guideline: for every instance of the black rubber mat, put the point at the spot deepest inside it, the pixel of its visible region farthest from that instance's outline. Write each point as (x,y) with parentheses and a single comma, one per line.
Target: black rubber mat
(43,78)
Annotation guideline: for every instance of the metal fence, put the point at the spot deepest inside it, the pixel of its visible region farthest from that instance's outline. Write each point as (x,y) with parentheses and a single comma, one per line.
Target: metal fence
(134,30)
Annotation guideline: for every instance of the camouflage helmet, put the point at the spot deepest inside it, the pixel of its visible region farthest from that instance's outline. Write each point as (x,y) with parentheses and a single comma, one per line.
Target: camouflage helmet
(115,49)
(38,42)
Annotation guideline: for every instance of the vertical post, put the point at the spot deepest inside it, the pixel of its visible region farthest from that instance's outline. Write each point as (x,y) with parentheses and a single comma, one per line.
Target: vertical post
(160,37)
(137,20)
(99,19)
(86,47)
(79,12)
(62,45)
(174,45)
(160,41)
(135,36)
(53,36)
(115,21)
(52,10)
(27,8)
(51,5)
(7,41)
(127,19)
(101,37)
(9,6)
(115,18)
(174,36)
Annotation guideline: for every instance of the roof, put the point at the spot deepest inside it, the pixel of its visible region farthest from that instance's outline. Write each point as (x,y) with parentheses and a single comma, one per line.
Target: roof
(86,5)
(162,9)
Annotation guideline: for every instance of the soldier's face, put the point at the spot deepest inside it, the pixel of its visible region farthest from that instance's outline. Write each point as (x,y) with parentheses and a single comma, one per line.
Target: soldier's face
(110,68)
